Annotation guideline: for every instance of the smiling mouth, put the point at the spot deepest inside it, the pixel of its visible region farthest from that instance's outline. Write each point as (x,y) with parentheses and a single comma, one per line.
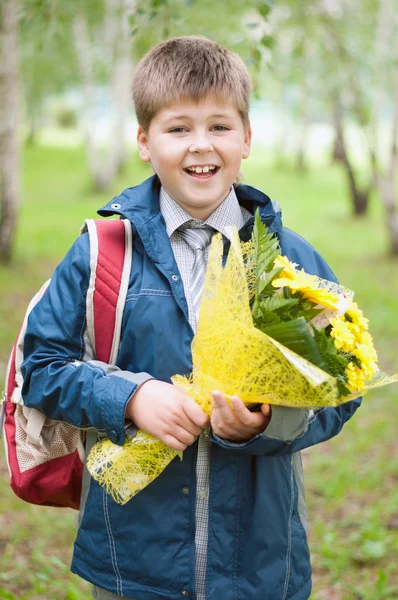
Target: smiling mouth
(205,172)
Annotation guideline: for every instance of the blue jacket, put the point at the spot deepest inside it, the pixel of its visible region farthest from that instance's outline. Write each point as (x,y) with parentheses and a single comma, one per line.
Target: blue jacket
(257,544)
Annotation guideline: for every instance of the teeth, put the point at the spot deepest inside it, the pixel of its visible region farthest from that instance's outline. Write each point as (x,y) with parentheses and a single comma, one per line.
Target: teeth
(204,169)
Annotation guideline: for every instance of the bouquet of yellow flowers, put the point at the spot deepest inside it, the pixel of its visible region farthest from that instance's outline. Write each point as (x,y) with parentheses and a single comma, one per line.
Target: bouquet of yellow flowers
(267,333)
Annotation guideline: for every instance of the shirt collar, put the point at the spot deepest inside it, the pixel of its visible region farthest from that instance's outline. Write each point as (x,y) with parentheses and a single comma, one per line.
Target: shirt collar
(229,213)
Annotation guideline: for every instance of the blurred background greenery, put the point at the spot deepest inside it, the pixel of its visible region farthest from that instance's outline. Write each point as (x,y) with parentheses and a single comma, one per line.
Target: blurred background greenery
(325,120)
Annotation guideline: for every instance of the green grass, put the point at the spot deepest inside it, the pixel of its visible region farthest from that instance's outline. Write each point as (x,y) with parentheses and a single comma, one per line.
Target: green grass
(352,491)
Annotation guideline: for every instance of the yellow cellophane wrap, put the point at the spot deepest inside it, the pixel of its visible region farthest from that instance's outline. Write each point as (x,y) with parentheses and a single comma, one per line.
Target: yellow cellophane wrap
(229,354)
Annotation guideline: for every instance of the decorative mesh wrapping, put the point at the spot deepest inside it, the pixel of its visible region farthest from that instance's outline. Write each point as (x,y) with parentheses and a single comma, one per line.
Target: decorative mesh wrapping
(57,439)
(231,355)
(125,470)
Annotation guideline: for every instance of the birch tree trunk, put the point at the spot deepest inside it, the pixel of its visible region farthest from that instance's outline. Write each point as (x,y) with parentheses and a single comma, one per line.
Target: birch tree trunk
(121,84)
(104,164)
(9,119)
(359,196)
(386,177)
(304,124)
(387,181)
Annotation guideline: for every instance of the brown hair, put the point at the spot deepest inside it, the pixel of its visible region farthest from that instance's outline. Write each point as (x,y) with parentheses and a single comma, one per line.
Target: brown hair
(189,67)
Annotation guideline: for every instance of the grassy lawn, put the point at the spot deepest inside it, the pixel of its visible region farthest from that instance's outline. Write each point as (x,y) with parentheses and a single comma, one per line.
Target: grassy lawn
(352,490)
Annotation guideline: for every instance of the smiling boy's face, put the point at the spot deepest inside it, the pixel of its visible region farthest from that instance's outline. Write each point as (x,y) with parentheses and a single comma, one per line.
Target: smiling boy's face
(196,149)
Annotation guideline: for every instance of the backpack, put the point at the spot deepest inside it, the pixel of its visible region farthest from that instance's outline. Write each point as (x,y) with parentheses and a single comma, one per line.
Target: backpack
(45,457)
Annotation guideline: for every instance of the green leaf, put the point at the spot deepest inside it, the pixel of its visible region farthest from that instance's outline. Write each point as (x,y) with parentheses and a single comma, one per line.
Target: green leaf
(296,336)
(266,247)
(266,279)
(275,303)
(265,318)
(268,42)
(265,8)
(335,362)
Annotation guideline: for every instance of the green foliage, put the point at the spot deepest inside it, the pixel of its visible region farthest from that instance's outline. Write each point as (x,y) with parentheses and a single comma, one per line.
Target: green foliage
(266,247)
(286,315)
(335,362)
(296,336)
(271,310)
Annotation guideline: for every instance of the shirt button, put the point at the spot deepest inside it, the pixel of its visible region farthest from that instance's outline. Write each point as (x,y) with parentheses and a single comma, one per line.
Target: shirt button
(185,490)
(116,205)
(174,277)
(185,592)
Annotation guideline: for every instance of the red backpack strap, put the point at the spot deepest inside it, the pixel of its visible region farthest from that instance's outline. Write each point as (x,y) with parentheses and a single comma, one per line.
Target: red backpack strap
(111,249)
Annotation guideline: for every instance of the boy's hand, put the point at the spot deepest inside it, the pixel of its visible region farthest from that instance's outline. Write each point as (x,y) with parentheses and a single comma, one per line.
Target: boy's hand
(238,425)
(164,411)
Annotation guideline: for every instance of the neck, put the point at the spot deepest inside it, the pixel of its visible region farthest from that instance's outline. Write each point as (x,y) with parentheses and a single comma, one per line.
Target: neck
(202,213)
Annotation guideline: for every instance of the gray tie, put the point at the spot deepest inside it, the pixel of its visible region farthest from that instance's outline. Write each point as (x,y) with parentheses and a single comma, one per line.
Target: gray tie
(198,236)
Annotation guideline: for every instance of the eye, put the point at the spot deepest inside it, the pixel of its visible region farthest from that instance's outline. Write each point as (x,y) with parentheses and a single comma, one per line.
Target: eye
(220,128)
(177,130)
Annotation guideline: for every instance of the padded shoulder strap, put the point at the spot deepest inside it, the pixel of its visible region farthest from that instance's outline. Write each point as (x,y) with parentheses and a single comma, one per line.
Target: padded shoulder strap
(111,249)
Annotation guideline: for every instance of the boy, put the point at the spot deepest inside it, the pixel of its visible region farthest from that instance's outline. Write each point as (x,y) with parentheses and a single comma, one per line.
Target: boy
(228,521)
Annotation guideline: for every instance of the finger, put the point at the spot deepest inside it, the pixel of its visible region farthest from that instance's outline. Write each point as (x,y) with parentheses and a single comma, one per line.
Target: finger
(173,443)
(184,421)
(196,415)
(266,410)
(221,404)
(182,435)
(246,417)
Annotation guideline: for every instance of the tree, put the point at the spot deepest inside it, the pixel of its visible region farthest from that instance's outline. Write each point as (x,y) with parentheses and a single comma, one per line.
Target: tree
(115,33)
(386,63)
(9,121)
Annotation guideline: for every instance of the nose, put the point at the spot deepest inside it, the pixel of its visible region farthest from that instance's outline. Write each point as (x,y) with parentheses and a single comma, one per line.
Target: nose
(201,143)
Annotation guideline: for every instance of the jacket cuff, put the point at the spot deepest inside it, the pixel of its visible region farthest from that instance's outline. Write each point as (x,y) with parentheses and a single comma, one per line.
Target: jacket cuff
(257,445)
(117,390)
(130,429)
(287,423)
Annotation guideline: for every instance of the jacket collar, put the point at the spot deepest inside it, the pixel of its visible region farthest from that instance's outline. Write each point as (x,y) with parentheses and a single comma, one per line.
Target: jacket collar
(140,204)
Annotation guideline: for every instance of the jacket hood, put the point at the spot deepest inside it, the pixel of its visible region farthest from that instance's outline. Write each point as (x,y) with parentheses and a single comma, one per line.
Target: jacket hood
(140,204)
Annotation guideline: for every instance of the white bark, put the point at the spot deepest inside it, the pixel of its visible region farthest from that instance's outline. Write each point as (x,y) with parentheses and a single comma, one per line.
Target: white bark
(85,60)
(382,50)
(9,120)
(386,178)
(104,164)
(121,85)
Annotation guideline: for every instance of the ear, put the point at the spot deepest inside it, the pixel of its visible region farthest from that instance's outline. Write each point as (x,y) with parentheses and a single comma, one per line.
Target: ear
(143,145)
(247,142)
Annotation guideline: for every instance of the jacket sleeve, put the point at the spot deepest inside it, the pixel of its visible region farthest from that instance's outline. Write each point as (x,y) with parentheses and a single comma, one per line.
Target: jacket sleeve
(61,379)
(293,429)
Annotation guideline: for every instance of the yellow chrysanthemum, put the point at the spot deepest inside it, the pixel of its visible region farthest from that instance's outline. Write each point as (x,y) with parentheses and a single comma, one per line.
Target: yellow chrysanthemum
(359,322)
(342,334)
(300,281)
(356,378)
(366,353)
